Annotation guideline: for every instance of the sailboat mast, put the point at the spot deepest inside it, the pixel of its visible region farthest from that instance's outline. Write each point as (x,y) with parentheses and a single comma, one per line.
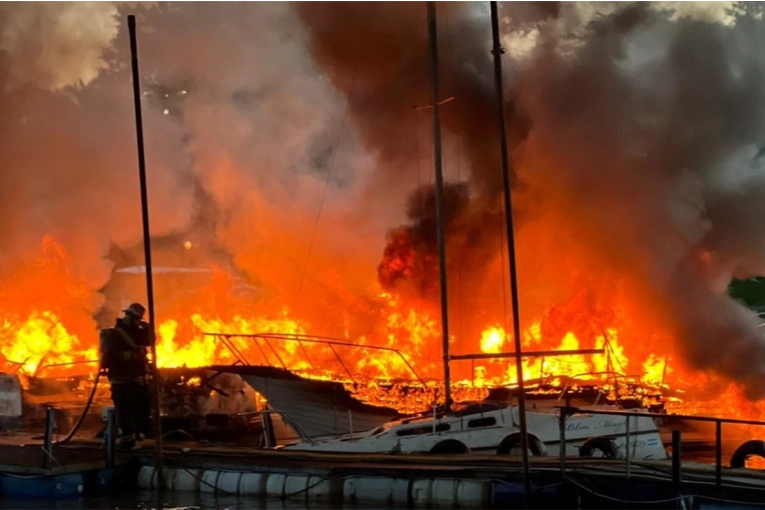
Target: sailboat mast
(433,40)
(498,50)
(156,400)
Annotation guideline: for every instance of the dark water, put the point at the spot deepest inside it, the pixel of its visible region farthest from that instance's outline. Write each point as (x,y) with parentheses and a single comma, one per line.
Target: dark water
(144,500)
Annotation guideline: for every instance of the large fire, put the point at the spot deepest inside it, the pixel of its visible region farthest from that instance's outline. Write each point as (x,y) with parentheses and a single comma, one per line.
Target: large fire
(43,332)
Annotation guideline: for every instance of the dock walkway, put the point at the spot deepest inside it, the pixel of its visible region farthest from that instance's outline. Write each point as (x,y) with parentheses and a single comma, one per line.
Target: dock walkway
(398,480)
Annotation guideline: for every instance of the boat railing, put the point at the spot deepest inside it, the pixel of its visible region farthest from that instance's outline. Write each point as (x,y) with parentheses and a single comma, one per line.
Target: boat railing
(15,366)
(269,434)
(610,376)
(261,339)
(43,367)
(738,458)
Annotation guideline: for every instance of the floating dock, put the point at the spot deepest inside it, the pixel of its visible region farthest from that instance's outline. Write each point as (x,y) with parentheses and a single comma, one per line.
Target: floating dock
(446,481)
(39,466)
(81,468)
(31,469)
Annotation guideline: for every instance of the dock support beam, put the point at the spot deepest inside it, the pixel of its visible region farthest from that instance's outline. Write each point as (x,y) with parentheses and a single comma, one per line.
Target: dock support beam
(50,426)
(718,453)
(627,447)
(109,436)
(676,462)
(562,430)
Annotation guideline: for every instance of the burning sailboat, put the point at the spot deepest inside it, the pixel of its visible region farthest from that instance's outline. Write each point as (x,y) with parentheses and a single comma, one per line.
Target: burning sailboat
(498,429)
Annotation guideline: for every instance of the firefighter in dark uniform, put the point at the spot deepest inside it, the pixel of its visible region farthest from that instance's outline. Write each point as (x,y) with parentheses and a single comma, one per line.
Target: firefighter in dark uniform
(125,359)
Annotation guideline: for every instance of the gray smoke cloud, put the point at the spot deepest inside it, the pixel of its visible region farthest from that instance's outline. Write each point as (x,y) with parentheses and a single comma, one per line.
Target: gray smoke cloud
(247,149)
(68,139)
(636,131)
(50,47)
(648,130)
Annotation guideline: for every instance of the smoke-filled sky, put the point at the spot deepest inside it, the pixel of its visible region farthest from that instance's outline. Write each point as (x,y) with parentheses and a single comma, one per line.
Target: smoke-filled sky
(284,138)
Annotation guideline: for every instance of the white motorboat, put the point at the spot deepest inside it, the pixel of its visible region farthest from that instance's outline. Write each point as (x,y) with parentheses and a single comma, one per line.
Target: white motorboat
(487,428)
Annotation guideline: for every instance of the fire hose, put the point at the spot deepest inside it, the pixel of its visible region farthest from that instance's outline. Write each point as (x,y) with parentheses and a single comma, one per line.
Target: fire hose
(100,372)
(81,419)
(84,414)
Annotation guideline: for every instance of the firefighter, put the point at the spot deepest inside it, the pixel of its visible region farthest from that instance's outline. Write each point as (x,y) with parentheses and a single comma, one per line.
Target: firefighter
(124,358)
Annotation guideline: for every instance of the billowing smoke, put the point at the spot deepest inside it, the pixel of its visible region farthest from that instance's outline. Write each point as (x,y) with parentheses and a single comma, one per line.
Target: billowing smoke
(646,135)
(47,45)
(69,152)
(381,63)
(252,165)
(283,140)
(635,130)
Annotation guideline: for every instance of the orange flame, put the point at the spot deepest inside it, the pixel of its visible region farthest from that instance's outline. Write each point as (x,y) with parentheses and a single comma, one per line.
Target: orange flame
(45,320)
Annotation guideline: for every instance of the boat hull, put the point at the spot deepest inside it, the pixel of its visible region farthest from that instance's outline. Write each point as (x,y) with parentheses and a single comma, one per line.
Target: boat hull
(497,431)
(318,408)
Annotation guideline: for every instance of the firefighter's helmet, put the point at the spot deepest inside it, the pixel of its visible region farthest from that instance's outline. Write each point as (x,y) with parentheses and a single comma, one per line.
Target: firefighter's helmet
(136,310)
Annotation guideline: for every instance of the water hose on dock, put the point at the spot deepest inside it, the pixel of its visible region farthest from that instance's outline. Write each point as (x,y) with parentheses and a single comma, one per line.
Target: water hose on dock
(102,343)
(81,419)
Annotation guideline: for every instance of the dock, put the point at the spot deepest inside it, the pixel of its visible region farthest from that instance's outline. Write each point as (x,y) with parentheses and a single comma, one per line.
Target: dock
(31,469)
(695,475)
(390,480)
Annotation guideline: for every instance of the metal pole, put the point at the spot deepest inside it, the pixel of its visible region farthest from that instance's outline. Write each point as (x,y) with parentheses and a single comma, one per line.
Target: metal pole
(433,39)
(718,452)
(50,425)
(497,51)
(676,462)
(562,431)
(147,250)
(527,354)
(627,445)
(109,437)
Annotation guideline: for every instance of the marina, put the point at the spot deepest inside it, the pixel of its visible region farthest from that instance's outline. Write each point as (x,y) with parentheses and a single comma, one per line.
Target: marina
(85,466)
(404,480)
(482,364)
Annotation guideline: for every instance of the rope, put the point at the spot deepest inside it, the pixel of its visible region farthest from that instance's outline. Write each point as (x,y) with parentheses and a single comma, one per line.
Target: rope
(495,480)
(228,493)
(318,216)
(520,486)
(321,203)
(178,430)
(618,500)
(655,502)
(419,166)
(49,454)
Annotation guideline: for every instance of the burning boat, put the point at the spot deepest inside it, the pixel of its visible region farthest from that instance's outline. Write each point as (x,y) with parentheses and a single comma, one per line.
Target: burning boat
(324,416)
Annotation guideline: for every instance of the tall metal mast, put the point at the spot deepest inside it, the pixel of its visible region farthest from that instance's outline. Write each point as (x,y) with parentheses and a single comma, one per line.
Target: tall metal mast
(147,251)
(433,40)
(497,51)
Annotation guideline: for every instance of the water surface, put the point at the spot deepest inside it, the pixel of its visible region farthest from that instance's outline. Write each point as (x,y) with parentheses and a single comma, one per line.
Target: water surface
(145,500)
